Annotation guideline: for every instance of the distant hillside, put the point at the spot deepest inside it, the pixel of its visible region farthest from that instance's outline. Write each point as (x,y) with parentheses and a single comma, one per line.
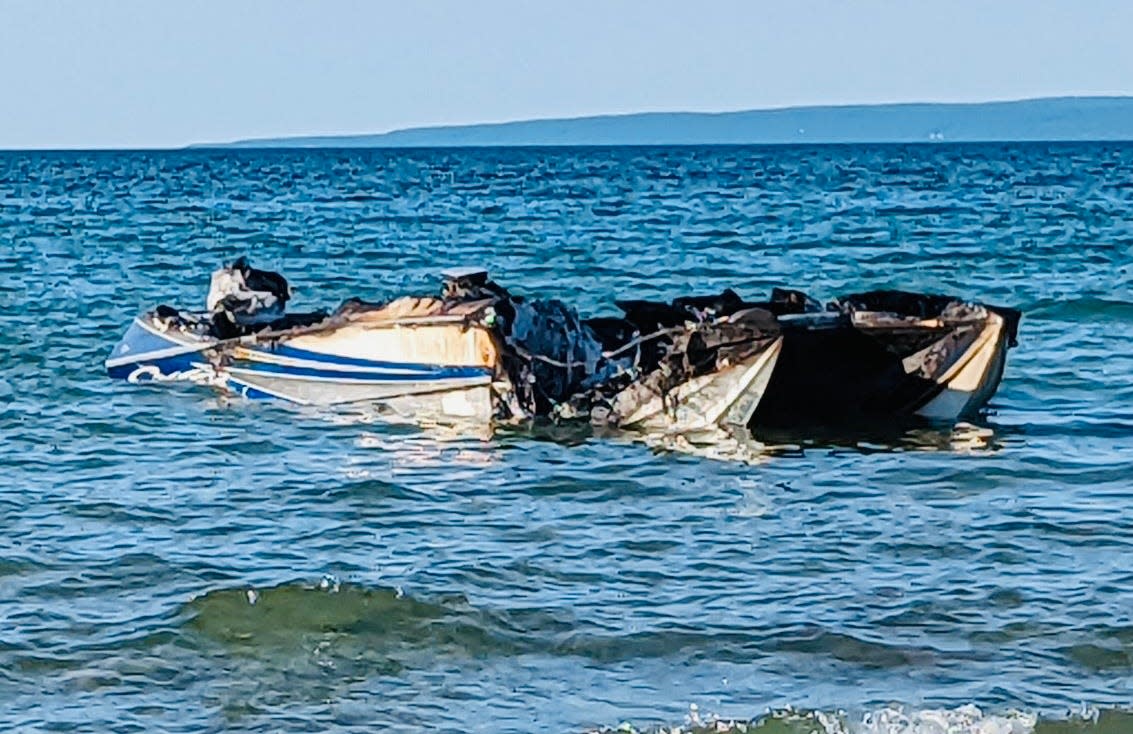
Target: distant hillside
(1060,118)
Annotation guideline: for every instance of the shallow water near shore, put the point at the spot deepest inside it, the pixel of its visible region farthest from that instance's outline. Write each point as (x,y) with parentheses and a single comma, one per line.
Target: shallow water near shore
(174,560)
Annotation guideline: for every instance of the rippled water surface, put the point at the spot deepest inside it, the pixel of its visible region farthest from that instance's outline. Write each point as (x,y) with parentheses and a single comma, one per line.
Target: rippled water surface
(174,561)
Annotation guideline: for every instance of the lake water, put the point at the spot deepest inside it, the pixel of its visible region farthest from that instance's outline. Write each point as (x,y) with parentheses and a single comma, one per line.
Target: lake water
(174,561)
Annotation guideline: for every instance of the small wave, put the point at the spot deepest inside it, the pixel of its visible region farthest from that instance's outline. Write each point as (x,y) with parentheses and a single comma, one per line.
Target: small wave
(1101,658)
(344,621)
(1080,309)
(282,615)
(915,211)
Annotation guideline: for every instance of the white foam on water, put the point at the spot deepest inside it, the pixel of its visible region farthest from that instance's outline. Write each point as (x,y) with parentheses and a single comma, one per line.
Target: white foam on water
(967,719)
(718,445)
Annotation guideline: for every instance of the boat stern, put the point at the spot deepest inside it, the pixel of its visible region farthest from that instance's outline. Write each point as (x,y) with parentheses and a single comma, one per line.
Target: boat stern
(968,384)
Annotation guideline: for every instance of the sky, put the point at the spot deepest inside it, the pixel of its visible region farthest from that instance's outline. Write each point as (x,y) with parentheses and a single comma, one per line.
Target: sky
(150,73)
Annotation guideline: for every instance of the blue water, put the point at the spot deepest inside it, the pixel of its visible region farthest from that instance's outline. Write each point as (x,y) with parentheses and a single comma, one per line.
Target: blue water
(172,560)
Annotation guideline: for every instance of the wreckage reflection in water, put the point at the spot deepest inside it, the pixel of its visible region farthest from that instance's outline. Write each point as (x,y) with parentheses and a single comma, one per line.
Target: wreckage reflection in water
(735,444)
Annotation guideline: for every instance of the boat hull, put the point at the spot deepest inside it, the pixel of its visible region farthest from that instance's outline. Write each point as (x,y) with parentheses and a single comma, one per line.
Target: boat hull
(399,367)
(846,372)
(815,368)
(338,367)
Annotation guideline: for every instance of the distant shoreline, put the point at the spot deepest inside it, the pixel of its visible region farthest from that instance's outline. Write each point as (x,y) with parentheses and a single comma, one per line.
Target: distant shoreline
(1044,120)
(250,147)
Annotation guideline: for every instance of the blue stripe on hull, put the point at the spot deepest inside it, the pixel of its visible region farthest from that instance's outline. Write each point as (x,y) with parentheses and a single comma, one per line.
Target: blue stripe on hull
(331,375)
(249,392)
(168,366)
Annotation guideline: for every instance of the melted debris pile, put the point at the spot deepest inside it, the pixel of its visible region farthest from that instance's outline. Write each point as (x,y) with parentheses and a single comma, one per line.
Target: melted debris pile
(243,300)
(565,367)
(672,343)
(549,352)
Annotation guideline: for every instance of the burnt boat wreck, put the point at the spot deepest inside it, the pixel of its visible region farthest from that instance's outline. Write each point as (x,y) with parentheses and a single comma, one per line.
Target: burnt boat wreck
(475,351)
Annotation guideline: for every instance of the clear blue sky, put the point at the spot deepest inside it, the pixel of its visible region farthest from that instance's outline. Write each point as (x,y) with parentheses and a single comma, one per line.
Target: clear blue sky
(152,73)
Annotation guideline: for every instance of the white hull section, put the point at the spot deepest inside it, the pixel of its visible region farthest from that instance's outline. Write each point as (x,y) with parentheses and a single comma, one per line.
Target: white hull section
(973,377)
(727,397)
(332,391)
(439,368)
